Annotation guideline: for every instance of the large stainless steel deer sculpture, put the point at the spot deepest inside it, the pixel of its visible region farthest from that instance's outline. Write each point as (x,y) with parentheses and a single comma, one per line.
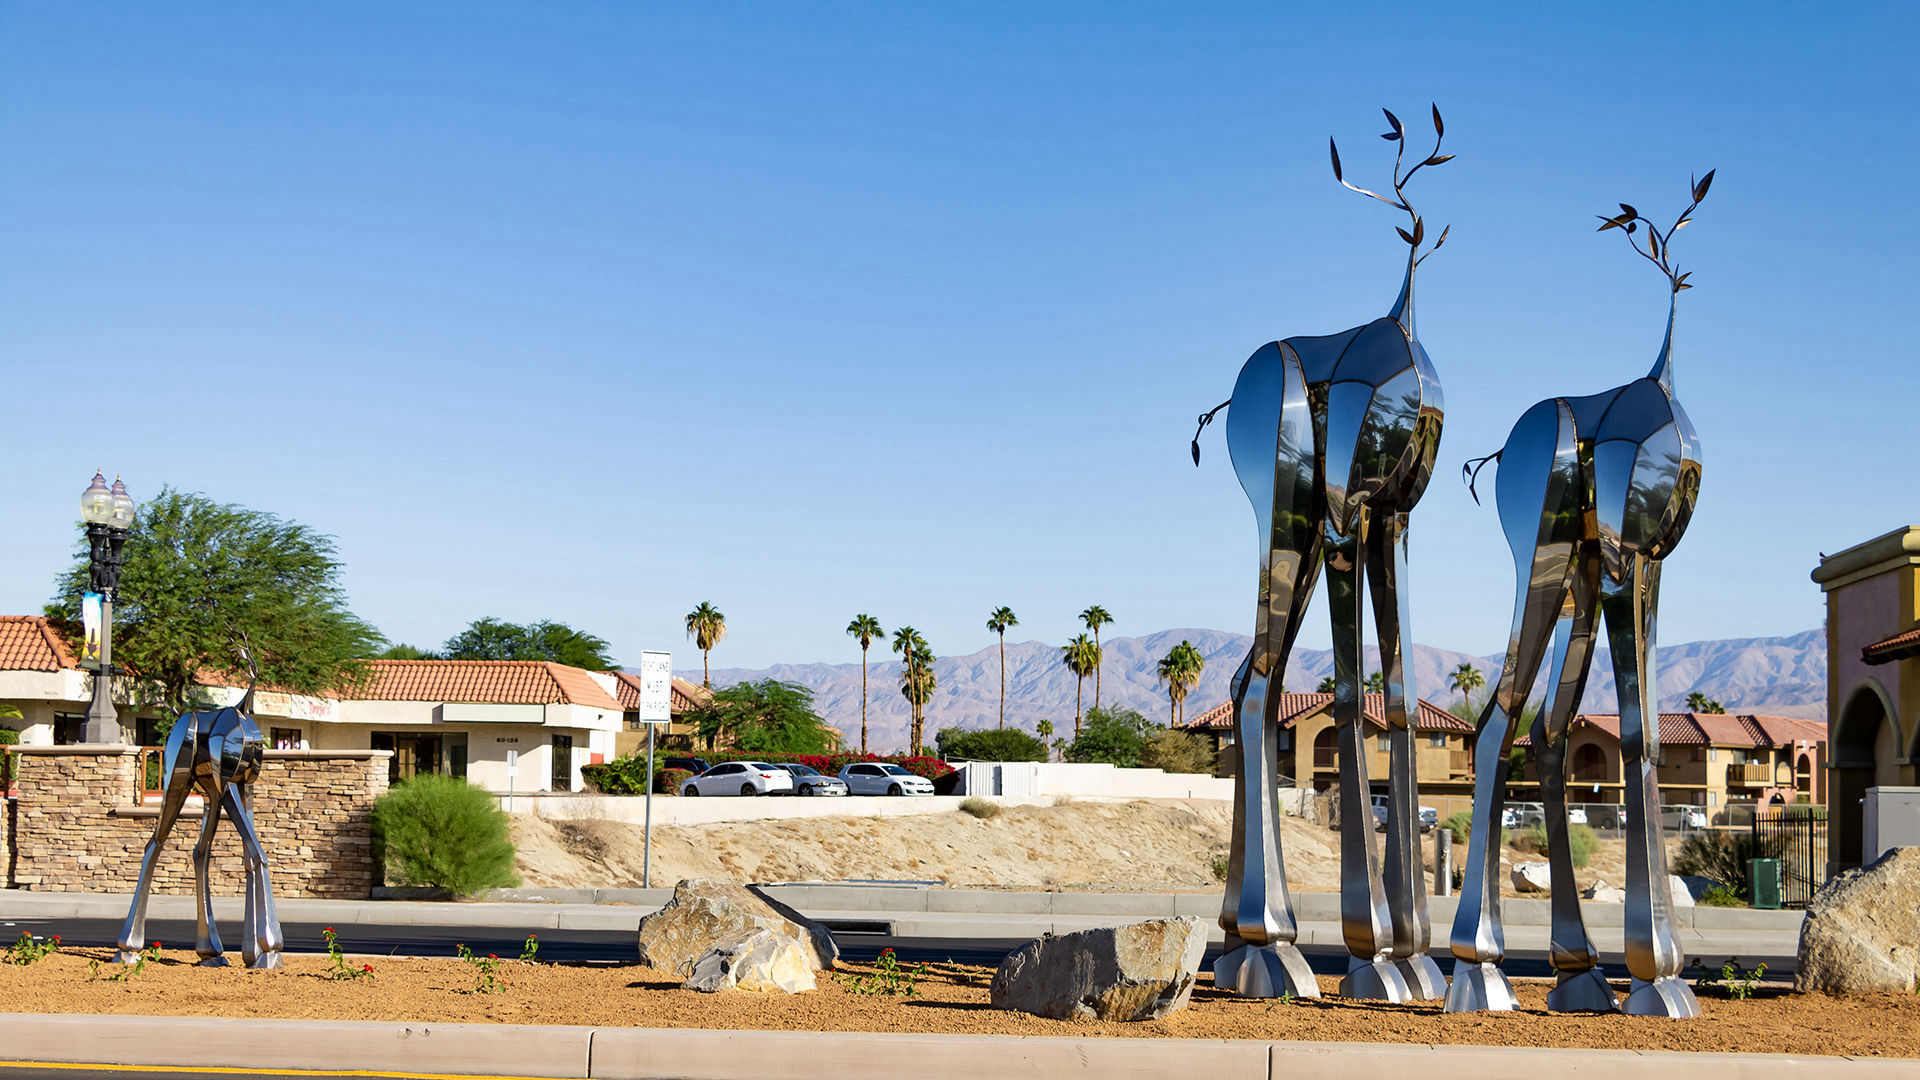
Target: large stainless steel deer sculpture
(1333,439)
(218,753)
(1593,492)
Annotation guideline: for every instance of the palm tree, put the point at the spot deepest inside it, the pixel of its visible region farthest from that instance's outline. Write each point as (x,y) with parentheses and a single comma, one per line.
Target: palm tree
(863,629)
(1466,678)
(1701,703)
(706,626)
(1096,617)
(1328,685)
(1180,669)
(916,679)
(1000,622)
(1044,729)
(1377,683)
(1082,657)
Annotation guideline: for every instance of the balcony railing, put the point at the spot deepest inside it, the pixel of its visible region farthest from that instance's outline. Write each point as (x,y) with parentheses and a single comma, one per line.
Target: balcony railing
(1750,774)
(1460,762)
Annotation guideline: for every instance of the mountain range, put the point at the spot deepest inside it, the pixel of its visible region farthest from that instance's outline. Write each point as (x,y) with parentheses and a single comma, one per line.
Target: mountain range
(1782,676)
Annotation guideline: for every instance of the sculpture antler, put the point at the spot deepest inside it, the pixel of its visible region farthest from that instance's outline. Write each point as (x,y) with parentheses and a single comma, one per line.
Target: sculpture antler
(1400,201)
(1659,243)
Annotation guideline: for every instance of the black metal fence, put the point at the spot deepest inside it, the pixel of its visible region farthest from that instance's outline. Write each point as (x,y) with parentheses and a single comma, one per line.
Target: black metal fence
(1797,836)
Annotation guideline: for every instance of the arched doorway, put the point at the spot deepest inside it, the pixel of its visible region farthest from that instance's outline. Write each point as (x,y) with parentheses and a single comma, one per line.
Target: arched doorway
(1589,764)
(1865,743)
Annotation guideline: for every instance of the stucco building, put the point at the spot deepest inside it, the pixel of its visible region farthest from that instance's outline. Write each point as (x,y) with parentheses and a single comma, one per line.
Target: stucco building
(1712,760)
(1307,742)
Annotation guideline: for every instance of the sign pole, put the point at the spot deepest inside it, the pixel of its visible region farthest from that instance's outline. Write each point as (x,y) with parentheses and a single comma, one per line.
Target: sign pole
(656,707)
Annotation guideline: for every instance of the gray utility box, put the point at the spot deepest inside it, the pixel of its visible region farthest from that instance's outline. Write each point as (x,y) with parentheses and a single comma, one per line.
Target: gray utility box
(1891,819)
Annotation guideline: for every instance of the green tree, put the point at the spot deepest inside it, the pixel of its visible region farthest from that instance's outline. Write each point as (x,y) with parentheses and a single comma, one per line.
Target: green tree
(1002,620)
(1179,669)
(1701,703)
(205,584)
(552,642)
(706,626)
(917,681)
(864,629)
(1466,678)
(1044,729)
(1096,617)
(998,744)
(1328,685)
(1177,752)
(407,652)
(1082,657)
(766,717)
(1114,736)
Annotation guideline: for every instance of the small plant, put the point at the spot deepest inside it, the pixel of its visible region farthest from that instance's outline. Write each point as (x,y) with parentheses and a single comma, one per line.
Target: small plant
(486,977)
(1734,980)
(1581,841)
(340,969)
(1218,864)
(27,950)
(889,978)
(1721,896)
(126,971)
(980,807)
(530,951)
(1460,824)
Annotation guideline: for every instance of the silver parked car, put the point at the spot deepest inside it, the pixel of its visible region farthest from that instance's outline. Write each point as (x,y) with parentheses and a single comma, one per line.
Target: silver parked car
(808,780)
(874,778)
(740,778)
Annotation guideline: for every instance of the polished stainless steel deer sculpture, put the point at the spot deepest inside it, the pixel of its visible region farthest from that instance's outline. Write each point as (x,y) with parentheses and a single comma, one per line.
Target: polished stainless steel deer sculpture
(217,753)
(1333,438)
(1592,492)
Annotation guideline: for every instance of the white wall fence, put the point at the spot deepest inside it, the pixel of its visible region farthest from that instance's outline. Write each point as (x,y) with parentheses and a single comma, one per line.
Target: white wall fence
(1033,779)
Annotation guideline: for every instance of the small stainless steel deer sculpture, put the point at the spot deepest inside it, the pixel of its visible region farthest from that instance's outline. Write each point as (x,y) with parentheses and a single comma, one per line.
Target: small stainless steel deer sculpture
(1593,492)
(1333,439)
(217,753)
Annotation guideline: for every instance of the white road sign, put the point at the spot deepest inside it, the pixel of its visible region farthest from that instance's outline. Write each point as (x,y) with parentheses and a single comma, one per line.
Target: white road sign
(656,687)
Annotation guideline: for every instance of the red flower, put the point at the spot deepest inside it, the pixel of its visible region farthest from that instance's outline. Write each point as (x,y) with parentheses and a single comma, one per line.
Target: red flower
(56,939)
(493,956)
(329,930)
(156,944)
(366,967)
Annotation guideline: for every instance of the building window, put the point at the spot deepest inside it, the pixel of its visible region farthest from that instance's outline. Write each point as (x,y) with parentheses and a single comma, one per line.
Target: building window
(563,763)
(412,754)
(1438,742)
(633,720)
(285,738)
(1323,757)
(68,728)
(1710,753)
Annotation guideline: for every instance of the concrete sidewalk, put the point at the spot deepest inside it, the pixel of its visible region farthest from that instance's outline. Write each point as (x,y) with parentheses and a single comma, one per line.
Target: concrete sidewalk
(920,911)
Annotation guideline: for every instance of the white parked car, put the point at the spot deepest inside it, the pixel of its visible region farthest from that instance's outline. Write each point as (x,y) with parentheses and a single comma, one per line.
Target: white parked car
(740,778)
(808,780)
(874,778)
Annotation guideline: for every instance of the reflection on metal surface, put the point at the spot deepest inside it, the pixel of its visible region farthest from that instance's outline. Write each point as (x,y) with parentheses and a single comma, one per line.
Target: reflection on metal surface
(218,754)
(1592,493)
(1333,438)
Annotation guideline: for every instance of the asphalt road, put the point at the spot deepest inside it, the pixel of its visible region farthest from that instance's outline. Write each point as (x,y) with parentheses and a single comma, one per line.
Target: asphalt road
(615,945)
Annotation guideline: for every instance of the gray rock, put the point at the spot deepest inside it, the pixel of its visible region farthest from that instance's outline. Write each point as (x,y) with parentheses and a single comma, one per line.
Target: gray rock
(1682,894)
(762,961)
(1861,934)
(1141,971)
(1602,893)
(703,914)
(1532,877)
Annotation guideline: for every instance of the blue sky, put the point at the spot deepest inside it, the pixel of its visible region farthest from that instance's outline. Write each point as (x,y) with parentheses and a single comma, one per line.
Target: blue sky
(594,311)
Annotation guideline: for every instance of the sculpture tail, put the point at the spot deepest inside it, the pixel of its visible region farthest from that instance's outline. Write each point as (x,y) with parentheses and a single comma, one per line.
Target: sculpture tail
(1205,419)
(1470,472)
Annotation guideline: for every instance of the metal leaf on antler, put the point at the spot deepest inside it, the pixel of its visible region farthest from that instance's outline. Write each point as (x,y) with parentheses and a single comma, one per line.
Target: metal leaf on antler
(1659,244)
(1400,201)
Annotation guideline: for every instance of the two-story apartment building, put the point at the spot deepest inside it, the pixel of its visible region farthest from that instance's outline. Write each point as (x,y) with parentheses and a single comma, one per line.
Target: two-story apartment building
(1712,760)
(1307,743)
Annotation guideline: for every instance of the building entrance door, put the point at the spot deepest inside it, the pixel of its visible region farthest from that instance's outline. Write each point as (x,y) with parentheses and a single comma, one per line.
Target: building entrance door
(562,763)
(412,754)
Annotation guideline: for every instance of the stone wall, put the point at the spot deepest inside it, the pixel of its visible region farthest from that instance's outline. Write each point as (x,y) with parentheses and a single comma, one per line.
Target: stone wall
(77,825)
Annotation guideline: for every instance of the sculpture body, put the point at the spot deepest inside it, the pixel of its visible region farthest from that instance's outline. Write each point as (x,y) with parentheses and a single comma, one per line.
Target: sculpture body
(1333,440)
(218,754)
(1592,493)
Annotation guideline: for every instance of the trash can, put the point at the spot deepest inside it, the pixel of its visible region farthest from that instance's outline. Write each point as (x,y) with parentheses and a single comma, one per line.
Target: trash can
(1763,877)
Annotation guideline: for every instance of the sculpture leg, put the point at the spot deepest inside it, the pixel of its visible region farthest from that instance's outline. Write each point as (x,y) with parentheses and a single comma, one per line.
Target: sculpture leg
(179,767)
(1653,954)
(1364,924)
(264,941)
(1401,874)
(207,938)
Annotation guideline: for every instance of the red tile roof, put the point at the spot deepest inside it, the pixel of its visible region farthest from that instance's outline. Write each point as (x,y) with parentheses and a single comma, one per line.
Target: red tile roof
(686,696)
(1373,706)
(493,682)
(1715,729)
(1898,647)
(29,643)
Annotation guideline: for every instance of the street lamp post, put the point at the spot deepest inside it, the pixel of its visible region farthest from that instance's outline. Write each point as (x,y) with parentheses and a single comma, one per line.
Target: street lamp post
(109,514)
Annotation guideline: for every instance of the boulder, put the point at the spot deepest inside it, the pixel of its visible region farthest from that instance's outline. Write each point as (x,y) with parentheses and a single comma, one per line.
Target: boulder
(1141,971)
(763,961)
(703,914)
(1532,877)
(1862,933)
(1696,884)
(1602,893)
(1681,892)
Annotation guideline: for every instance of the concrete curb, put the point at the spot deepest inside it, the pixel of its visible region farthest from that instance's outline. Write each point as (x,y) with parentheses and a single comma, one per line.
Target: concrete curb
(694,1054)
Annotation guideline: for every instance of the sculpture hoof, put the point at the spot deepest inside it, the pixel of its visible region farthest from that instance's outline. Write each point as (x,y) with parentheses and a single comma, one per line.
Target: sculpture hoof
(127,956)
(1374,980)
(1585,990)
(213,960)
(1665,996)
(1479,988)
(269,961)
(1265,971)
(1422,976)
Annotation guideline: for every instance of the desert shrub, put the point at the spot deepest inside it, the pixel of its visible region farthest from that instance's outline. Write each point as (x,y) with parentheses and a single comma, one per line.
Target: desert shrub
(980,807)
(621,776)
(1580,841)
(9,737)
(993,744)
(670,781)
(1721,896)
(1178,752)
(444,832)
(1460,824)
(1722,858)
(1113,736)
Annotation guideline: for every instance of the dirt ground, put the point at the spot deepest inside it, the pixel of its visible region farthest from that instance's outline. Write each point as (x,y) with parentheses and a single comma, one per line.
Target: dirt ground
(952,998)
(1145,845)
